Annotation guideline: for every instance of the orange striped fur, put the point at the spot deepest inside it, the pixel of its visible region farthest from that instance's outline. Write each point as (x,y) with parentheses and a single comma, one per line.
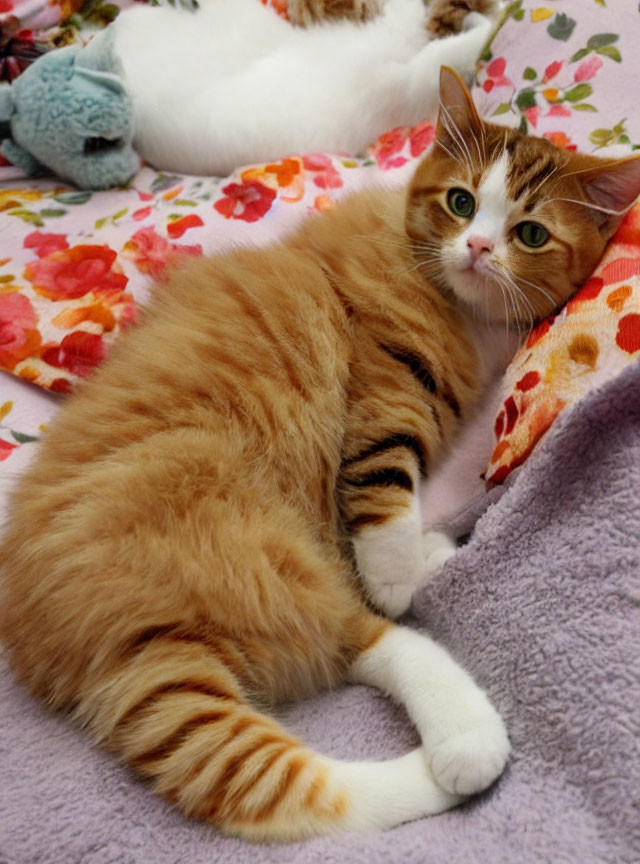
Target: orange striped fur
(180,550)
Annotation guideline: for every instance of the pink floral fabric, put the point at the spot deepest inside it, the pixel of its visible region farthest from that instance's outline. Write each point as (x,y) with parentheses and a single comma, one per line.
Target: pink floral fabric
(75,266)
(575,84)
(576,80)
(594,337)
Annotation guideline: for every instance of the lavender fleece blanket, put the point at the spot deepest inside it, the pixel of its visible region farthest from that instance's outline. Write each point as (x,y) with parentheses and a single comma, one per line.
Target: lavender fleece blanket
(542,605)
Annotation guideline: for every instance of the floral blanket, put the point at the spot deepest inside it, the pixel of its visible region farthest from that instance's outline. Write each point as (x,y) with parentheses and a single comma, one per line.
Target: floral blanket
(75,265)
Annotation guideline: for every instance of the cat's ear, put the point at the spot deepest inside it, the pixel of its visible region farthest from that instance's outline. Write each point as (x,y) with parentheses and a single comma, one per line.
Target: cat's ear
(457,116)
(612,187)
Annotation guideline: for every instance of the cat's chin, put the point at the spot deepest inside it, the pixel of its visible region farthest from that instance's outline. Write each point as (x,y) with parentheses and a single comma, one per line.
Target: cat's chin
(480,293)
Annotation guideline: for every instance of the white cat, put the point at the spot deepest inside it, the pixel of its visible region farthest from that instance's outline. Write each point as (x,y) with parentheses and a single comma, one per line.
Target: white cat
(232,83)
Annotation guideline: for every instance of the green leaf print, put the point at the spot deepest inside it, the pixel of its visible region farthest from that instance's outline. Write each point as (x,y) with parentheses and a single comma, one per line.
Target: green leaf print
(579,55)
(580,91)
(73,197)
(584,106)
(27,216)
(526,99)
(561,27)
(501,109)
(610,51)
(601,39)
(22,438)
(602,137)
(530,74)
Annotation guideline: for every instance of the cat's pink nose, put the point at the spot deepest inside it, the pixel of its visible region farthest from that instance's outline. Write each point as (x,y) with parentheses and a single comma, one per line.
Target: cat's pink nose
(477,245)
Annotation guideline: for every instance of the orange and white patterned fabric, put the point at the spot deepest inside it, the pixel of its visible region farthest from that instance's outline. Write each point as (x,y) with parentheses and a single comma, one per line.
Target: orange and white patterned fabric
(595,336)
(568,71)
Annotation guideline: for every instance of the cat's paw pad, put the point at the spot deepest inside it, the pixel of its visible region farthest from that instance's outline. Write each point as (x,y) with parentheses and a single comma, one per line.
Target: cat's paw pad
(470,761)
(437,549)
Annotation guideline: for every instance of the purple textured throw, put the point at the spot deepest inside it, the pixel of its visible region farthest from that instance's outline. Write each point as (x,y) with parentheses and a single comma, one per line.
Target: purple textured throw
(542,605)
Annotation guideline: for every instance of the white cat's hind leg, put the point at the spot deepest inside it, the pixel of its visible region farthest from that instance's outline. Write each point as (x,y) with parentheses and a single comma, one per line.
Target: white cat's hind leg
(385,794)
(463,736)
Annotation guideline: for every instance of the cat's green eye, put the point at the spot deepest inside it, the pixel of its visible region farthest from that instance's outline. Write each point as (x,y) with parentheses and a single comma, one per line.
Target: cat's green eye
(532,234)
(461,202)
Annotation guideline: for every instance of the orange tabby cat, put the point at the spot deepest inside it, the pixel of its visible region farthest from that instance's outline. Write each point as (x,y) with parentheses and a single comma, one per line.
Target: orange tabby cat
(209,514)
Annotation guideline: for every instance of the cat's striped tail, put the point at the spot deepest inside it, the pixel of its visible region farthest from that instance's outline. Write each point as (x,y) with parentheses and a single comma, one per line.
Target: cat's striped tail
(175,712)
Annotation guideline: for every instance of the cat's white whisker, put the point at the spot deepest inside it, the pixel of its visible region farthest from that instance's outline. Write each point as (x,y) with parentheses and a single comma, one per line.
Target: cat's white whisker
(545,179)
(589,204)
(456,134)
(540,289)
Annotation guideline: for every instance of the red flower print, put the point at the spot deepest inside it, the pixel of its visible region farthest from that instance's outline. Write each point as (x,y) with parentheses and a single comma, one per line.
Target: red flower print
(72,273)
(532,114)
(558,111)
(628,336)
(538,332)
(151,252)
(45,244)
(19,336)
(587,69)
(421,137)
(6,449)
(386,150)
(249,201)
(560,139)
(78,353)
(528,381)
(316,161)
(141,214)
(589,291)
(326,175)
(176,229)
(495,75)
(329,179)
(60,385)
(551,71)
(511,411)
(620,269)
(629,232)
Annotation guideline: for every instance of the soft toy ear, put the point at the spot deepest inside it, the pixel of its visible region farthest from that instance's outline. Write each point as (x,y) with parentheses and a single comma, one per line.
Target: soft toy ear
(7,105)
(105,79)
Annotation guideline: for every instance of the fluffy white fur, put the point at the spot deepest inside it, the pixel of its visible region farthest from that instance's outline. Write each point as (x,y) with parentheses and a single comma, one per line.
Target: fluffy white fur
(232,83)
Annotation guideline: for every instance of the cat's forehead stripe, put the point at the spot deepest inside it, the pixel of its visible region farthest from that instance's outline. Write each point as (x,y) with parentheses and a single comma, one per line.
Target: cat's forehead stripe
(528,170)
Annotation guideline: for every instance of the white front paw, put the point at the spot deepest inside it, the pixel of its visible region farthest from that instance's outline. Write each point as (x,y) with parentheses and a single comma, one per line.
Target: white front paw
(390,559)
(392,598)
(437,549)
(469,760)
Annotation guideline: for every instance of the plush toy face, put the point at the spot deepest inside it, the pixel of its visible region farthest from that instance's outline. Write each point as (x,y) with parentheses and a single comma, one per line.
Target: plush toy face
(75,120)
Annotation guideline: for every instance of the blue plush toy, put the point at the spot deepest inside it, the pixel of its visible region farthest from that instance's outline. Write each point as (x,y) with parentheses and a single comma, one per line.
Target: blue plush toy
(69,114)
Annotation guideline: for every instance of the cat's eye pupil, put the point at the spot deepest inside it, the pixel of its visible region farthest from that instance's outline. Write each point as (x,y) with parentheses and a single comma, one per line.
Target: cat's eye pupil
(461,202)
(532,234)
